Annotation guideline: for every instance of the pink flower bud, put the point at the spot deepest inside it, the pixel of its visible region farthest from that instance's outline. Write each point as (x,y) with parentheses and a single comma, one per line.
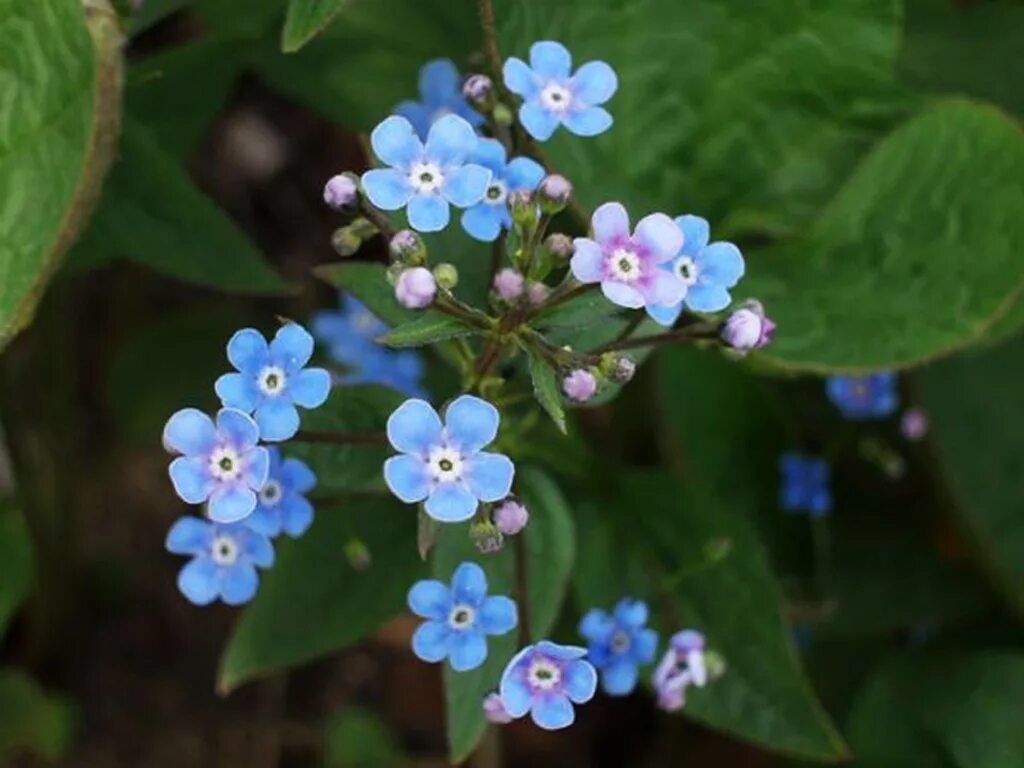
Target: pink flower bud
(477,88)
(748,327)
(510,517)
(494,710)
(537,292)
(580,385)
(341,192)
(508,284)
(415,288)
(914,424)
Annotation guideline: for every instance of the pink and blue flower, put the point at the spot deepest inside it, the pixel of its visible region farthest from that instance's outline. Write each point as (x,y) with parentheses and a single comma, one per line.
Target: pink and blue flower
(861,398)
(804,485)
(682,665)
(485,220)
(545,680)
(281,502)
(440,87)
(618,644)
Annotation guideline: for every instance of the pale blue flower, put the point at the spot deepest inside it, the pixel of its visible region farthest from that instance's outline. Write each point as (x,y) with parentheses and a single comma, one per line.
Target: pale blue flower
(282,504)
(618,644)
(486,219)
(546,679)
(440,94)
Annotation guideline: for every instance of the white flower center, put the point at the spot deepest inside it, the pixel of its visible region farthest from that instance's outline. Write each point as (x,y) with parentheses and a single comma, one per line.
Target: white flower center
(619,642)
(555,97)
(496,193)
(543,674)
(624,265)
(425,177)
(271,493)
(687,270)
(224,463)
(224,550)
(271,380)
(461,617)
(445,464)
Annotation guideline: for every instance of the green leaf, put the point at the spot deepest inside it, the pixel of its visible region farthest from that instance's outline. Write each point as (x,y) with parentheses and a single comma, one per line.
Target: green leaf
(368,283)
(58,128)
(934,217)
(312,603)
(305,19)
(358,738)
(32,721)
(545,388)
(548,540)
(16,556)
(580,312)
(427,328)
(153,214)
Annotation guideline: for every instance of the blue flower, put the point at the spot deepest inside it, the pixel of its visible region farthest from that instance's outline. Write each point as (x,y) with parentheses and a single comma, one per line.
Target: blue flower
(546,679)
(444,464)
(485,220)
(553,97)
(864,397)
(281,503)
(426,178)
(221,464)
(224,560)
(272,379)
(441,94)
(618,644)
(706,271)
(459,618)
(805,485)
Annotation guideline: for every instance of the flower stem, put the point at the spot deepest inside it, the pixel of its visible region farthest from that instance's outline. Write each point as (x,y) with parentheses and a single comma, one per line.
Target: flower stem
(693,333)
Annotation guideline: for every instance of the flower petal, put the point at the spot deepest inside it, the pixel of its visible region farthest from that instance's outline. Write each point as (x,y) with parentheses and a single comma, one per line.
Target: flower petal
(468,650)
(255,546)
(519,78)
(469,584)
(438,80)
(622,294)
(417,114)
(538,122)
(414,427)
(394,141)
(596,626)
(238,390)
(594,83)
(645,645)
(257,467)
(665,316)
(451,503)
(465,185)
(588,122)
(695,233)
(619,677)
(665,289)
(564,652)
(550,59)
(660,236)
(587,260)
(387,188)
(238,428)
(490,154)
(247,350)
(428,212)
(191,479)
(267,521)
(630,613)
(451,140)
(720,263)
(190,432)
(552,712)
(430,641)
(277,419)
(523,173)
(229,504)
(189,536)
(515,695)
(497,615)
(310,387)
(580,681)
(239,584)
(430,599)
(471,423)
(706,297)
(489,475)
(199,582)
(292,347)
(296,515)
(610,222)
(406,477)
(297,475)
(484,222)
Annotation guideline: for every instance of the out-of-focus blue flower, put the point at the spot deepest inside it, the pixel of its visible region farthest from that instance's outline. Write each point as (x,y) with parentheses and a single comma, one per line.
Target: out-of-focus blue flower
(445,464)
(682,665)
(864,397)
(440,94)
(804,485)
(282,504)
(553,96)
(618,644)
(458,618)
(220,463)
(272,379)
(546,679)
(706,270)
(486,219)
(224,560)
(425,179)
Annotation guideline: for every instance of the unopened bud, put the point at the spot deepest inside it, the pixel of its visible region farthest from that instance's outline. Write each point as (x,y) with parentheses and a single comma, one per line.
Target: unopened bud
(508,284)
(502,115)
(914,424)
(341,192)
(408,247)
(485,536)
(446,275)
(580,385)
(715,664)
(477,89)
(494,710)
(522,207)
(358,554)
(554,193)
(346,241)
(537,293)
(748,327)
(510,517)
(416,288)
(559,246)
(618,368)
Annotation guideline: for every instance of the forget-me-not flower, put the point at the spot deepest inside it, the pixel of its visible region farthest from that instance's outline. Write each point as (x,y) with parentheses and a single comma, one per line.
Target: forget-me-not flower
(281,502)
(864,397)
(224,560)
(546,679)
(425,178)
(553,96)
(486,219)
(220,463)
(272,379)
(682,665)
(458,618)
(629,266)
(440,94)
(706,270)
(444,464)
(618,644)
(804,485)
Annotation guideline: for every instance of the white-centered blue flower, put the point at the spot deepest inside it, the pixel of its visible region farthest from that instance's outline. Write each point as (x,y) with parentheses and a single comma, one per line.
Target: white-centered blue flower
(486,219)
(281,502)
(619,643)
(440,94)
(425,178)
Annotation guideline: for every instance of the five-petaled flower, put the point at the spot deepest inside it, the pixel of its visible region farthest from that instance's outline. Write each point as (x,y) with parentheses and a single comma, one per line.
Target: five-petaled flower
(426,178)
(553,96)
(441,94)
(546,679)
(281,502)
(486,219)
(220,463)
(618,644)
(224,560)
(272,379)
(864,397)
(444,464)
(682,666)
(805,485)
(458,618)
(629,267)
(706,271)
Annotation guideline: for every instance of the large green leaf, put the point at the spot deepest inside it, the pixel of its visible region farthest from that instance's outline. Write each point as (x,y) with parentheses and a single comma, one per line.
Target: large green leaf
(368,283)
(427,328)
(61,66)
(305,19)
(358,738)
(312,602)
(16,556)
(30,720)
(545,388)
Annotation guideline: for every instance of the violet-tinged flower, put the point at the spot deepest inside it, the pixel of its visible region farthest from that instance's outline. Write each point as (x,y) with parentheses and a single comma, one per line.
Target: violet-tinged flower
(341,192)
(682,665)
(511,517)
(440,95)
(580,385)
(444,464)
(804,485)
(221,464)
(747,327)
(459,618)
(477,89)
(485,220)
(508,284)
(629,266)
(415,288)
(553,96)
(426,178)
(282,504)
(494,710)
(224,560)
(914,424)
(861,398)
(546,679)
(618,644)
(705,270)
(272,379)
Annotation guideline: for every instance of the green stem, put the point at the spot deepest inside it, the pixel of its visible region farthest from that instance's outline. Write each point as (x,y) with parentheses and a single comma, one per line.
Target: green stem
(693,333)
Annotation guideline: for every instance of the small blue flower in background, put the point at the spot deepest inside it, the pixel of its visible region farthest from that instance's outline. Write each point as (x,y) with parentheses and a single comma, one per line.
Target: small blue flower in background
(281,502)
(459,618)
(805,485)
(486,219)
(220,463)
(272,379)
(445,464)
(224,560)
(552,96)
(426,178)
(440,94)
(546,679)
(618,644)
(864,397)
(706,270)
